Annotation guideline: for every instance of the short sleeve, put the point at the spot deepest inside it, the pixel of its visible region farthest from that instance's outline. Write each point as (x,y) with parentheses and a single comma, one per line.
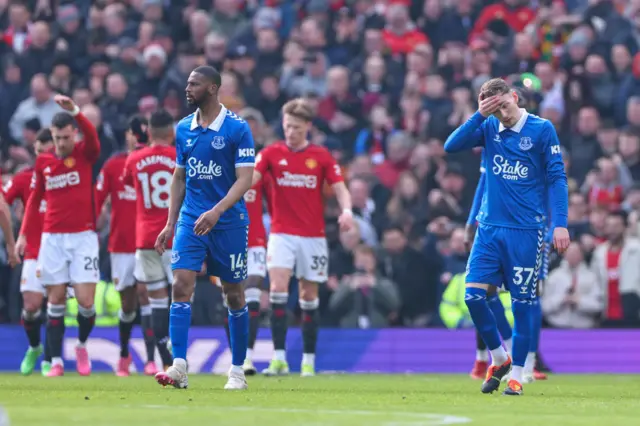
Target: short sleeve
(245,152)
(262,161)
(181,155)
(332,172)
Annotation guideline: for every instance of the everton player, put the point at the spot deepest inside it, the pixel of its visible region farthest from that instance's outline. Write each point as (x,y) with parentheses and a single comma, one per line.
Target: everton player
(214,167)
(523,156)
(495,304)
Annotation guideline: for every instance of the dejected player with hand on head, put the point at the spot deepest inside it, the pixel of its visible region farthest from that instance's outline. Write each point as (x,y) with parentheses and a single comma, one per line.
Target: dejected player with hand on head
(523,158)
(298,170)
(214,168)
(69,246)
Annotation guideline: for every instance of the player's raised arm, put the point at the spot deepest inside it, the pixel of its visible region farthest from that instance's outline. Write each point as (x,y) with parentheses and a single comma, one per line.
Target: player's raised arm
(471,133)
(558,189)
(91,143)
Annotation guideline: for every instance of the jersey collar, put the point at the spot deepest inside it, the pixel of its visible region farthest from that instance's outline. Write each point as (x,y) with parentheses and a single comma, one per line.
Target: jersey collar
(517,127)
(215,125)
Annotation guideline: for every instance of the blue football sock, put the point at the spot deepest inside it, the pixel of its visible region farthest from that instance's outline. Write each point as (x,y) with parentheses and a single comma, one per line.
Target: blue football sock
(536,325)
(239,333)
(179,322)
(521,330)
(476,300)
(497,308)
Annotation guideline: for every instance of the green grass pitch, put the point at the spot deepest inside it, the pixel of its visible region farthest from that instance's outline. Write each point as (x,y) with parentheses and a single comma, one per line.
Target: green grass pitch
(368,400)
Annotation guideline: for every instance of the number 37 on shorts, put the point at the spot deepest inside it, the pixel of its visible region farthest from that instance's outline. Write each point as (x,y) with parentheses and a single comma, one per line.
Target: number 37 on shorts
(509,257)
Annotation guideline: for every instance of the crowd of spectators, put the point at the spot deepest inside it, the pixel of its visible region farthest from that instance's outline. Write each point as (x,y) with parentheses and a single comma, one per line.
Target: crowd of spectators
(389,80)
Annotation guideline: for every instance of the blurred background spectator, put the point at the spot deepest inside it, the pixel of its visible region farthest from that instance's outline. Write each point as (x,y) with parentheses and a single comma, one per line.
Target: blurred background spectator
(389,80)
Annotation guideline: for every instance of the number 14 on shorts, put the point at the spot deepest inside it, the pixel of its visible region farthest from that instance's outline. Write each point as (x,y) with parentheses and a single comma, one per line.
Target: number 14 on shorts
(238,264)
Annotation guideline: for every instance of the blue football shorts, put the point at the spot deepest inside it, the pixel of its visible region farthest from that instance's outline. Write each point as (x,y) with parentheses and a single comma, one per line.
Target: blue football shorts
(224,251)
(507,256)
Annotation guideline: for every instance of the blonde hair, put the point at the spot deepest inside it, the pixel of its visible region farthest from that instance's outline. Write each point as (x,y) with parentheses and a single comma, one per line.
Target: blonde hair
(298,108)
(493,87)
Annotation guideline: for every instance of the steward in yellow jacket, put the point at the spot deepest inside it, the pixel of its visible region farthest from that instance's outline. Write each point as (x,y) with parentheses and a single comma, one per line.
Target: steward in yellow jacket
(107,303)
(453,310)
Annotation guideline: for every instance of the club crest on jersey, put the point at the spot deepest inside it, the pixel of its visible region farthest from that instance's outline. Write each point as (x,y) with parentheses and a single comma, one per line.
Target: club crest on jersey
(311,163)
(218,142)
(189,143)
(525,143)
(69,162)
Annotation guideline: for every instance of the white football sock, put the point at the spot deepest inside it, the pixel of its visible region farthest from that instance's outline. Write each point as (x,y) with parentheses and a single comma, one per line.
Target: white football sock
(499,356)
(249,354)
(530,363)
(516,373)
(180,364)
(508,344)
(482,355)
(308,359)
(237,370)
(280,355)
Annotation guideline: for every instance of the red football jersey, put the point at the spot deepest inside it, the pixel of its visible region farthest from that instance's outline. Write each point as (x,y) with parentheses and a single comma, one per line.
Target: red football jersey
(253,200)
(149,171)
(19,188)
(297,178)
(66,185)
(122,236)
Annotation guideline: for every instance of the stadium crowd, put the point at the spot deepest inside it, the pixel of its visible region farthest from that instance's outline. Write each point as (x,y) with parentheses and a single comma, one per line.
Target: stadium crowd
(389,79)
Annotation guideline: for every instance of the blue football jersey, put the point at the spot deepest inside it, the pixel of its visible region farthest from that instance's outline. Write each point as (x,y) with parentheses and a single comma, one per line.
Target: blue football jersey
(519,164)
(210,157)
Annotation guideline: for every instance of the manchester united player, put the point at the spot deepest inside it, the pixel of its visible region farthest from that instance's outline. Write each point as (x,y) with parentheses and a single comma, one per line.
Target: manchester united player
(298,170)
(32,291)
(149,171)
(256,267)
(69,246)
(7,230)
(122,247)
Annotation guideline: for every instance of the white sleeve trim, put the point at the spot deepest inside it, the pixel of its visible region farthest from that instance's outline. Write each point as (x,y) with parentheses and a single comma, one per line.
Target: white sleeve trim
(245,164)
(180,166)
